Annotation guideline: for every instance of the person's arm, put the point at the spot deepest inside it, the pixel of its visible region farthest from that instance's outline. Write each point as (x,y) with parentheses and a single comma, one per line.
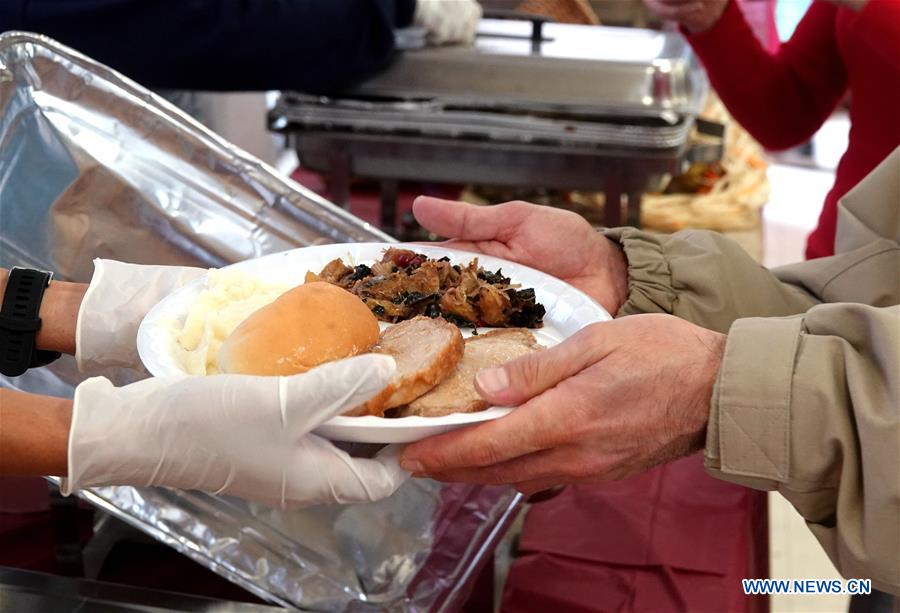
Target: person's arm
(780,99)
(34,434)
(306,45)
(34,430)
(230,434)
(877,25)
(59,314)
(808,405)
(710,280)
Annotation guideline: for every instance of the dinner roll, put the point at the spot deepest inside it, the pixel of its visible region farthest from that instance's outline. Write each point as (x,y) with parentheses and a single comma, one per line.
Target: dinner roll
(307,326)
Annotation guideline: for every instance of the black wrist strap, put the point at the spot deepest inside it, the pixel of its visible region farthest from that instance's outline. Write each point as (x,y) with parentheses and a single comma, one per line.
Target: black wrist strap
(20,321)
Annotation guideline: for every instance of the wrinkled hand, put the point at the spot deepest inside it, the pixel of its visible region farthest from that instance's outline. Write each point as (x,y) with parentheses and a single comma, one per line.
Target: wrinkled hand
(559,243)
(449,21)
(614,400)
(232,434)
(693,15)
(118,298)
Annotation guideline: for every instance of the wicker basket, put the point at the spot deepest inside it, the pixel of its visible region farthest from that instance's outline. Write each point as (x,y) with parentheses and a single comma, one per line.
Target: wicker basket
(735,201)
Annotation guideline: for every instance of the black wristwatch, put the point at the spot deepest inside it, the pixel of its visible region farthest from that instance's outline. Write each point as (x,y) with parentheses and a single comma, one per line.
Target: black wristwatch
(20,321)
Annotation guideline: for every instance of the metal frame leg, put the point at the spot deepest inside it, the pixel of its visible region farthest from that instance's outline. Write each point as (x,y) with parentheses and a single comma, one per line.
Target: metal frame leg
(614,189)
(612,209)
(339,176)
(390,189)
(633,214)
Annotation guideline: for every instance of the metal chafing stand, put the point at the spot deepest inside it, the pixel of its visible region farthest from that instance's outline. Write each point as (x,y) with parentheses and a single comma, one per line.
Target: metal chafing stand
(530,105)
(93,165)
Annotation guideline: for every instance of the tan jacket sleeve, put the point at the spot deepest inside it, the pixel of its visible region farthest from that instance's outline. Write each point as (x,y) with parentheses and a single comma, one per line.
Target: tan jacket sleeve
(710,280)
(810,404)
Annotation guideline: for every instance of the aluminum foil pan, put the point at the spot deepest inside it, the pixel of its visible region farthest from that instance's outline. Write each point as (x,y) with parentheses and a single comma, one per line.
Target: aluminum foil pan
(93,165)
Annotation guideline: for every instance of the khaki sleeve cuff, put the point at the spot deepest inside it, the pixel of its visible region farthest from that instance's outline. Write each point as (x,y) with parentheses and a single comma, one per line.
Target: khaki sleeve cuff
(649,276)
(748,437)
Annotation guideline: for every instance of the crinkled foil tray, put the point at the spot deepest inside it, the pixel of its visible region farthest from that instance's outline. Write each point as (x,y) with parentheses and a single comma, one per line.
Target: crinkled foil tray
(93,165)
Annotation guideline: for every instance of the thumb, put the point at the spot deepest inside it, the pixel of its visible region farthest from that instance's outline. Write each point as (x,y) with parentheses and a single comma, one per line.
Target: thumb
(314,397)
(370,480)
(462,221)
(342,479)
(520,380)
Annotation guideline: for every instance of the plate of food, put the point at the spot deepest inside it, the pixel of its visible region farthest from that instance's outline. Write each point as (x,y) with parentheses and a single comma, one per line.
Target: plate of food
(442,314)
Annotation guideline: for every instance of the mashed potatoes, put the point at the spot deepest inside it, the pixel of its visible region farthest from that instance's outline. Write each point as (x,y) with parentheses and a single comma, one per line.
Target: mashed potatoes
(229,298)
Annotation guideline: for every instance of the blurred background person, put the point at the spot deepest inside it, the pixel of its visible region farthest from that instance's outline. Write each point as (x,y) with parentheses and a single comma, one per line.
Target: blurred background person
(230,45)
(783,98)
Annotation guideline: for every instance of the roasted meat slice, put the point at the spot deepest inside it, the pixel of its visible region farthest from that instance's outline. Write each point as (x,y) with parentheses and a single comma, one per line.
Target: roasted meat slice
(493,306)
(334,272)
(424,282)
(469,281)
(380,288)
(450,275)
(383,269)
(403,258)
(457,393)
(426,351)
(455,303)
(389,310)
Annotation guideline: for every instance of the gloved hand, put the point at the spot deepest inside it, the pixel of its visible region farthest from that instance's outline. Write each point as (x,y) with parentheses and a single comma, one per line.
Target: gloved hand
(116,301)
(449,21)
(232,434)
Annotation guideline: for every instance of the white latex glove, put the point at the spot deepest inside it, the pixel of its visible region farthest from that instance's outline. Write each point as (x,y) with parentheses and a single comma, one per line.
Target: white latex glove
(232,434)
(449,21)
(116,301)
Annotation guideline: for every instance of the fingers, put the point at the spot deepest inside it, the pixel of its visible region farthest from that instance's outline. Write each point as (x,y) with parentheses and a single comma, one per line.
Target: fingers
(556,465)
(537,425)
(459,220)
(312,398)
(348,480)
(518,381)
(371,480)
(549,418)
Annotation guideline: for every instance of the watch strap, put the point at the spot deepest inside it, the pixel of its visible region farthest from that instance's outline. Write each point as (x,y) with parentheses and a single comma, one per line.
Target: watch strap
(20,321)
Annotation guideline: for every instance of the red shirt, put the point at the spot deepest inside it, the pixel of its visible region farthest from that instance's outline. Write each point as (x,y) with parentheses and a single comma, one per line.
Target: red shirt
(782,99)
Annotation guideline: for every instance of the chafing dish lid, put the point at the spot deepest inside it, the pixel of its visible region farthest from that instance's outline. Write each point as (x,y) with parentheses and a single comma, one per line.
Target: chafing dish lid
(585,68)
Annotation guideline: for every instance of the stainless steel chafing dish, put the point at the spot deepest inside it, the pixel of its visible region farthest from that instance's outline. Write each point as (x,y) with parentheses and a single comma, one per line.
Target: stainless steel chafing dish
(92,164)
(569,107)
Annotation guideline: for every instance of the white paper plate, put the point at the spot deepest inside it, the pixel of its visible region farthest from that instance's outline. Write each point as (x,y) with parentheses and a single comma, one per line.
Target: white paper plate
(568,310)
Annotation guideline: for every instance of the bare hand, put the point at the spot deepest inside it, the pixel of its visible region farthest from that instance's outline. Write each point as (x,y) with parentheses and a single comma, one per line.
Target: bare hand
(557,242)
(693,15)
(614,400)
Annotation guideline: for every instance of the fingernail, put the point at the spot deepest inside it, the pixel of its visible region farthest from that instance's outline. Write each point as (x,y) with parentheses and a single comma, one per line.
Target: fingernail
(412,466)
(492,380)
